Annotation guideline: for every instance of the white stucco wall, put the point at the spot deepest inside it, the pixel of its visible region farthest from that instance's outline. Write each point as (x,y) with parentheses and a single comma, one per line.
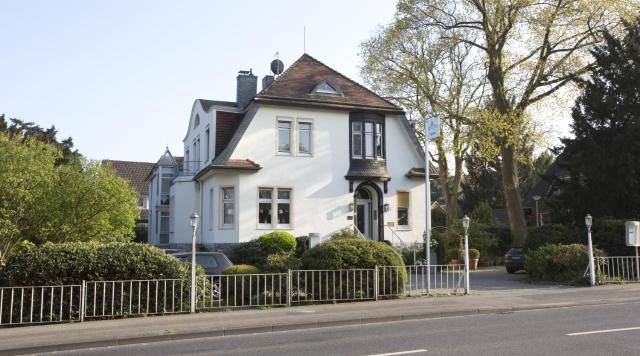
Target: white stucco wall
(207,121)
(184,200)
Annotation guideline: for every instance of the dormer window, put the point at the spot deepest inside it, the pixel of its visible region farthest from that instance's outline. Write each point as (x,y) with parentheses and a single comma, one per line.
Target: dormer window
(367,140)
(326,88)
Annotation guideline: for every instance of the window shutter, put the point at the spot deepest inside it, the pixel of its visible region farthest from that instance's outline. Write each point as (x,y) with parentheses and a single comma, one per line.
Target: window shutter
(403,199)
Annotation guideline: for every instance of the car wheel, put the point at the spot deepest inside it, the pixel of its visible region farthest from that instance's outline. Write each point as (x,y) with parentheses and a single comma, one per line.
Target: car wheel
(511,270)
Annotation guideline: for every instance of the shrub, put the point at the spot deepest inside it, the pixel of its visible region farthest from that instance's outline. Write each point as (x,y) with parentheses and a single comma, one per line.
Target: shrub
(240,269)
(345,234)
(250,253)
(548,234)
(71,263)
(281,262)
(277,241)
(349,253)
(483,214)
(302,245)
(474,254)
(559,263)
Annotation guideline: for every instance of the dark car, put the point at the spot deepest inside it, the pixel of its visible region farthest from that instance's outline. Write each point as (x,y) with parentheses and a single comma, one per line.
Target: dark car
(212,262)
(514,260)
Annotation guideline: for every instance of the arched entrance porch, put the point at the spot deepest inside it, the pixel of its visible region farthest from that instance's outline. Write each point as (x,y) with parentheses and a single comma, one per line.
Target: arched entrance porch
(369,215)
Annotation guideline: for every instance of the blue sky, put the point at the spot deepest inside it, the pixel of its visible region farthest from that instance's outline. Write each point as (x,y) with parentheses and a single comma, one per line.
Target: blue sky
(120,77)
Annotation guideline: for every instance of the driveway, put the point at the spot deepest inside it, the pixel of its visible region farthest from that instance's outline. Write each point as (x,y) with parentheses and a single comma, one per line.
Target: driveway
(497,279)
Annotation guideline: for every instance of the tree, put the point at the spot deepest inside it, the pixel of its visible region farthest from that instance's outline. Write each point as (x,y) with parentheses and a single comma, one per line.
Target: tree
(42,201)
(602,159)
(530,49)
(428,74)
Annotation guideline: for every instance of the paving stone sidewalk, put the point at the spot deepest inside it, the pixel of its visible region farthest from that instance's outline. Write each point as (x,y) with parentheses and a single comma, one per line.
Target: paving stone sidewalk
(44,338)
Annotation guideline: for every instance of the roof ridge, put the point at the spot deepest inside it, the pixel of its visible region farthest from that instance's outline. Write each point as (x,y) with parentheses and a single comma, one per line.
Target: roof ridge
(261,92)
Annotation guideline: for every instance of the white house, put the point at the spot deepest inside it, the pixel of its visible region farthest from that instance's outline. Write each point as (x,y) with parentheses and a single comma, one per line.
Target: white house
(313,152)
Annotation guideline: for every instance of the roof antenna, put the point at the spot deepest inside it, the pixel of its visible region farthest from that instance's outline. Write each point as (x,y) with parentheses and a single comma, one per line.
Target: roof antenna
(304,39)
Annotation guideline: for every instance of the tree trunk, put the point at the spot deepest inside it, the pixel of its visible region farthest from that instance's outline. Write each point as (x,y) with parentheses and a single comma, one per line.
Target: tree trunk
(513,202)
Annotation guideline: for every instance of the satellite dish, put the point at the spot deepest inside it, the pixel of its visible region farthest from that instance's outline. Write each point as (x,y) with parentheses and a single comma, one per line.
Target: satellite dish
(277,67)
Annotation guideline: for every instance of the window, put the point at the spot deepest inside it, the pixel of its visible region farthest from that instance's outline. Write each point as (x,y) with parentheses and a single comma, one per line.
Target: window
(207,143)
(284,136)
(228,207)
(304,138)
(196,149)
(403,210)
(356,139)
(284,207)
(196,121)
(379,140)
(265,202)
(143,201)
(367,140)
(211,209)
(164,227)
(274,204)
(165,185)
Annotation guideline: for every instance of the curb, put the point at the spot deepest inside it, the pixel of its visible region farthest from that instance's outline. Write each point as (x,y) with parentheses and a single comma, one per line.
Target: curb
(297,326)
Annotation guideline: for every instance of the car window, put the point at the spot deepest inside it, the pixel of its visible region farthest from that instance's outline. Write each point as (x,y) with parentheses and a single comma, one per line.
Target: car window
(206,261)
(223,260)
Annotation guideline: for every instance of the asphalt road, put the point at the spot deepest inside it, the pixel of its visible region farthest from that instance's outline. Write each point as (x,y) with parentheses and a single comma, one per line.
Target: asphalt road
(538,332)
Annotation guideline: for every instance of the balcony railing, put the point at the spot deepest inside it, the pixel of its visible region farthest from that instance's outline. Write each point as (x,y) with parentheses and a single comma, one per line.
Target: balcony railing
(189,168)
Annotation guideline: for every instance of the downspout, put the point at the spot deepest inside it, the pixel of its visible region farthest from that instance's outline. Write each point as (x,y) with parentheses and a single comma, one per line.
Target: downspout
(201,213)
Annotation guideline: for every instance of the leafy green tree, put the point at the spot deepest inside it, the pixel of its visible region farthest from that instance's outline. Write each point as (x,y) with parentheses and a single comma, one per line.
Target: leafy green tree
(602,159)
(42,201)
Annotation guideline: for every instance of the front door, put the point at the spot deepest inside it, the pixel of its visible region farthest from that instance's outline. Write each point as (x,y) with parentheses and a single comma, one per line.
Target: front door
(363,217)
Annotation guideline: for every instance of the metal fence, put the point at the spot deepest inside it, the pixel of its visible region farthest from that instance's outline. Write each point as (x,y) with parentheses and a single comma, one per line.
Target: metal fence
(617,269)
(40,304)
(116,299)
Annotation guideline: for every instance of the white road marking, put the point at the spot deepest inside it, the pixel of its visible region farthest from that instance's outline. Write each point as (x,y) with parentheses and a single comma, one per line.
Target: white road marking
(401,353)
(603,331)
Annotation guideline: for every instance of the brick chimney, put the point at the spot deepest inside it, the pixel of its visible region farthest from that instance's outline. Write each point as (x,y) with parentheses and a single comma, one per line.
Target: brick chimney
(247,87)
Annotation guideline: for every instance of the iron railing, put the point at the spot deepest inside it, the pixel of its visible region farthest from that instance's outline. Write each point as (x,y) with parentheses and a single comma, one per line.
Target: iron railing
(316,286)
(445,280)
(40,304)
(616,269)
(245,290)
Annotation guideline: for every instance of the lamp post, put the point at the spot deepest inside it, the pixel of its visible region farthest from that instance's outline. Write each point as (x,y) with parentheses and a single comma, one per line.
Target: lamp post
(536,198)
(588,220)
(465,225)
(194,225)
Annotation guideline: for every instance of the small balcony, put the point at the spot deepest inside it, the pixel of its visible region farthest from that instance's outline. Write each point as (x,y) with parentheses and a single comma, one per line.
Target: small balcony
(189,168)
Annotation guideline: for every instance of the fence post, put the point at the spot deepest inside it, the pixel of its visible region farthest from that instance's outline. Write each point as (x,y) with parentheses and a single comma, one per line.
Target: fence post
(83,301)
(376,283)
(288,287)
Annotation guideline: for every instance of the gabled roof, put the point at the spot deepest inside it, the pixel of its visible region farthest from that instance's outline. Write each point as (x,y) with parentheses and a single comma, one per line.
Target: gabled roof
(296,87)
(134,172)
(207,104)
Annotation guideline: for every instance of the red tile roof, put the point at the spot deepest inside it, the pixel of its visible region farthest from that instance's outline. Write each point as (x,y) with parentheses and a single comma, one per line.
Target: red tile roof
(296,84)
(134,172)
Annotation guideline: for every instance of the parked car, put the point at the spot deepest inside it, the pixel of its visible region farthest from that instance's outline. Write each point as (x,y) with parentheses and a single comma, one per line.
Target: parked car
(514,260)
(212,262)
(171,251)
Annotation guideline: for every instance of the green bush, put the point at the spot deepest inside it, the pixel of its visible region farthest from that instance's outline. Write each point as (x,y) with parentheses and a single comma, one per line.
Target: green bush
(281,262)
(240,269)
(558,263)
(302,245)
(250,253)
(474,254)
(607,234)
(549,234)
(348,253)
(276,242)
(483,214)
(345,234)
(71,263)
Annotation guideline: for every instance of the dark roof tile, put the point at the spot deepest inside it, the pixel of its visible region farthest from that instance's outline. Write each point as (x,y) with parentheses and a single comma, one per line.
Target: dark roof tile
(134,172)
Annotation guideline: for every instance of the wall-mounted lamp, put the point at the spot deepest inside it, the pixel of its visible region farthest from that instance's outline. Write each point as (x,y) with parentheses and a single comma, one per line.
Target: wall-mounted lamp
(386,207)
(350,206)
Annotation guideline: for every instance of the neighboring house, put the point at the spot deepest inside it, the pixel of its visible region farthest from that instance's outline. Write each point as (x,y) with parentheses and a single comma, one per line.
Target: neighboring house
(313,152)
(136,174)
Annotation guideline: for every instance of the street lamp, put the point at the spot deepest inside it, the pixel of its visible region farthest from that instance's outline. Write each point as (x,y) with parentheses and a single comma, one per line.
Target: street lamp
(194,226)
(588,220)
(536,198)
(465,225)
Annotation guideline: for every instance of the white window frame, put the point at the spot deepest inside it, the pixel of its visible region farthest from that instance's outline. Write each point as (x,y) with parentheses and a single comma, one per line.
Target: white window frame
(207,142)
(357,133)
(224,226)
(311,130)
(274,208)
(378,128)
(211,208)
(369,140)
(292,144)
(408,207)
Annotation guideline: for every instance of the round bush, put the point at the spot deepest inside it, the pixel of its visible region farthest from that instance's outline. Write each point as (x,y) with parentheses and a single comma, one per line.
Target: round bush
(277,241)
(281,262)
(559,263)
(474,254)
(71,263)
(351,253)
(240,269)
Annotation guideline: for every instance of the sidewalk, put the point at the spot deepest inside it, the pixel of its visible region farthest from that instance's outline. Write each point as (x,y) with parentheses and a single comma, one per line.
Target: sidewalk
(46,338)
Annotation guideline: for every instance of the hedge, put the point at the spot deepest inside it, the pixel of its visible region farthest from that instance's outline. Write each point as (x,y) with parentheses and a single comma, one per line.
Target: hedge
(558,263)
(256,252)
(71,263)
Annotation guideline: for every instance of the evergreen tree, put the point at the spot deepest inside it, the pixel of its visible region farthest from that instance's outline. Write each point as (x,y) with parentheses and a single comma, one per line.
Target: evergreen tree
(603,160)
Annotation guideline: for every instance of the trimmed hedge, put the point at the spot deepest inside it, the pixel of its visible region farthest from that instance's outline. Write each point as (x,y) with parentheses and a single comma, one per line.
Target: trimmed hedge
(281,262)
(558,263)
(240,269)
(71,263)
(277,241)
(549,234)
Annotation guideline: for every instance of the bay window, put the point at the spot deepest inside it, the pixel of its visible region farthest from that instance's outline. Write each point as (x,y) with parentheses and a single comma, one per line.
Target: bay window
(367,140)
(356,139)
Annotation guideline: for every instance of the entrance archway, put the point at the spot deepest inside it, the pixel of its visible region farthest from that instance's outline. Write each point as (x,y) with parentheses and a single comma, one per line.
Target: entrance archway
(368,210)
